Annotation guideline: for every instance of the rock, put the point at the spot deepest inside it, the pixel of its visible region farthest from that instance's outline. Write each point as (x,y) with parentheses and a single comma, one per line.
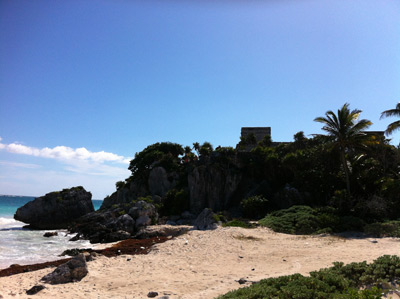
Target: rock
(160,182)
(144,213)
(35,289)
(161,231)
(242,281)
(88,256)
(114,224)
(187,215)
(152,294)
(50,234)
(126,223)
(212,187)
(72,252)
(116,236)
(56,210)
(73,270)
(142,208)
(143,221)
(206,220)
(163,297)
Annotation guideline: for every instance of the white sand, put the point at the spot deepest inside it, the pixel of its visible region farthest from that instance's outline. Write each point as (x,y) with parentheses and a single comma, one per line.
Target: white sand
(204,264)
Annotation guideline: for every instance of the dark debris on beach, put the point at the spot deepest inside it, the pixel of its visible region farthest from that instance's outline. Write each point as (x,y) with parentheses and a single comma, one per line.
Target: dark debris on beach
(127,247)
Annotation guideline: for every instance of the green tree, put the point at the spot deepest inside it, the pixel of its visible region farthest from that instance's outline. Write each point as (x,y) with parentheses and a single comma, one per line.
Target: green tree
(346,133)
(165,154)
(394,125)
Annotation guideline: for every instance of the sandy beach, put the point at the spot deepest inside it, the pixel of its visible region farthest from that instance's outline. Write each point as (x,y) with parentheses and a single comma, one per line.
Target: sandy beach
(205,264)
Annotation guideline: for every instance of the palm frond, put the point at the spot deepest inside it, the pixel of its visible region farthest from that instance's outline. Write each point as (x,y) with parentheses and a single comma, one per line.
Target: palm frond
(394,126)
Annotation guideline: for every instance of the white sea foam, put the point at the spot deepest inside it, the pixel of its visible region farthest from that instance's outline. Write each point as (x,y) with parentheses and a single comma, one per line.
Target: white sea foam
(6,222)
(23,246)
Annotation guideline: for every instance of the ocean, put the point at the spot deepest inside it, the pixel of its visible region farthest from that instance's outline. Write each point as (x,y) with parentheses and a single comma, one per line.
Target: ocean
(24,246)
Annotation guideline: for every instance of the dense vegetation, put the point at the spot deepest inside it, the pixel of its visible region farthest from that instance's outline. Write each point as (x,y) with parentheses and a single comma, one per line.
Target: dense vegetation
(347,179)
(339,281)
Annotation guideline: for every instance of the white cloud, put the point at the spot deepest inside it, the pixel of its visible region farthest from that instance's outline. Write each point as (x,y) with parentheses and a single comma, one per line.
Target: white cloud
(22,165)
(96,171)
(64,153)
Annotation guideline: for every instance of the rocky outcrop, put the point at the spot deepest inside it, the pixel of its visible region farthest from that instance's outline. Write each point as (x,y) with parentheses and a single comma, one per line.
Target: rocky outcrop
(160,182)
(119,222)
(206,220)
(56,210)
(212,187)
(73,270)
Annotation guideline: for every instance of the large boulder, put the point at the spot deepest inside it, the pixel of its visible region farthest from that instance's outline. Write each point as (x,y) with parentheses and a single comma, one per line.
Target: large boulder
(56,210)
(206,220)
(73,270)
(120,222)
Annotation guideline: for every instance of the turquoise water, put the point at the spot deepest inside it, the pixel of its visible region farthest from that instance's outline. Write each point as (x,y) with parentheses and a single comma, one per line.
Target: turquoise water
(10,204)
(23,246)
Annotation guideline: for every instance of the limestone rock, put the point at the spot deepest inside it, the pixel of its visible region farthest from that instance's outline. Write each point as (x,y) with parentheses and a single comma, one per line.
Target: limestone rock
(152,294)
(50,234)
(212,187)
(56,210)
(115,224)
(206,220)
(160,182)
(73,270)
(35,289)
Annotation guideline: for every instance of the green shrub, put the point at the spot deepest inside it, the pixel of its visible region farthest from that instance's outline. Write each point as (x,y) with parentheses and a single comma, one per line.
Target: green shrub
(254,207)
(295,220)
(119,185)
(339,281)
(306,220)
(350,223)
(175,202)
(384,229)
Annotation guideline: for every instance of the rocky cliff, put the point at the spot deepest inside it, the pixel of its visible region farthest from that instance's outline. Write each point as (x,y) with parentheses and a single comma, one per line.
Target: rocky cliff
(56,210)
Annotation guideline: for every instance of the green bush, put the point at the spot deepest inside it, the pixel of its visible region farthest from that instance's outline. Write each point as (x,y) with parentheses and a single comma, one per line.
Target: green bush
(254,207)
(384,229)
(306,220)
(295,220)
(339,281)
(175,202)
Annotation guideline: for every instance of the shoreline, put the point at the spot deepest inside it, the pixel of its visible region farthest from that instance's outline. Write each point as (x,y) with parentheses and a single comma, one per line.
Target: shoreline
(206,264)
(127,247)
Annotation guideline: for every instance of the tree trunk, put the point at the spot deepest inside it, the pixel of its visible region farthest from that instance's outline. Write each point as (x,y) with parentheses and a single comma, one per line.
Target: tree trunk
(346,170)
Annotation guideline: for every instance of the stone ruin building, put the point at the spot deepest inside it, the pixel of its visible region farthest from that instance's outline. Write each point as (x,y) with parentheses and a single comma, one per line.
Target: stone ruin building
(258,132)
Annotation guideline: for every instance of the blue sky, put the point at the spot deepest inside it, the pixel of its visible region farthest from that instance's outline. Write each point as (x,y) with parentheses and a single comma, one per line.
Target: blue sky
(86,84)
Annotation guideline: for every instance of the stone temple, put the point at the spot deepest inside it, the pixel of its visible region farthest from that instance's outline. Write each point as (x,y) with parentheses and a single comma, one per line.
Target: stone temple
(258,132)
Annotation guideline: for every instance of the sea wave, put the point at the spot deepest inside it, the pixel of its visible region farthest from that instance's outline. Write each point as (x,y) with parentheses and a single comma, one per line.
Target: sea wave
(10,222)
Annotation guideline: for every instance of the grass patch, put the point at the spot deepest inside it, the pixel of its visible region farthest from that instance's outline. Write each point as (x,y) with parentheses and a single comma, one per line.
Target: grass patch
(339,281)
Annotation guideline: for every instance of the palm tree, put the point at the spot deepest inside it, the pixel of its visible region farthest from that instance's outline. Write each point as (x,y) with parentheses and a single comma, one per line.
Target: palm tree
(394,125)
(346,132)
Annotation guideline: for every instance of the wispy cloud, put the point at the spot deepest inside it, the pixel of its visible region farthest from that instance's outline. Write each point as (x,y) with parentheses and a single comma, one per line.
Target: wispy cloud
(22,165)
(96,171)
(64,153)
